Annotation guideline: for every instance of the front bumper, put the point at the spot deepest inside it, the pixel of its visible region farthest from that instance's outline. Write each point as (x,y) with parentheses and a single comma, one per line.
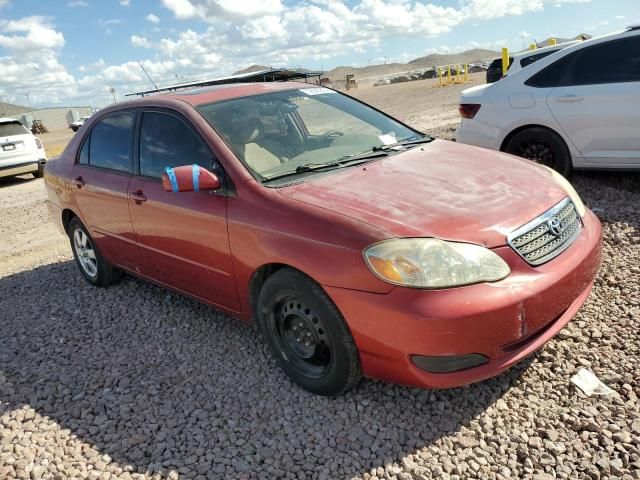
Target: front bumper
(504,321)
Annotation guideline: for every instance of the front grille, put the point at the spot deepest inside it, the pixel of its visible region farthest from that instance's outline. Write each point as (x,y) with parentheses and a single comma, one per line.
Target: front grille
(548,235)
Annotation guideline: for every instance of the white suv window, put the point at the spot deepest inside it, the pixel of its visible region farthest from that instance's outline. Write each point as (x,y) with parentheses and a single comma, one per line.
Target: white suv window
(12,128)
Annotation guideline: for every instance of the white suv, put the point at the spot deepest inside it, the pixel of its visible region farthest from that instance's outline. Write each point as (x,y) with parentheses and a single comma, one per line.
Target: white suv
(20,151)
(577,108)
(519,60)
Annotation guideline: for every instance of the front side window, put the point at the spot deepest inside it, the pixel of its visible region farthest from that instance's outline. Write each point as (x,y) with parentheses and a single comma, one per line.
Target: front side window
(280,132)
(165,141)
(110,144)
(616,61)
(611,62)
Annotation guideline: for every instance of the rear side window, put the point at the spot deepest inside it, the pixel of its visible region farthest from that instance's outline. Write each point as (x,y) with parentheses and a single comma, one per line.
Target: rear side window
(13,128)
(166,141)
(111,141)
(617,61)
(534,58)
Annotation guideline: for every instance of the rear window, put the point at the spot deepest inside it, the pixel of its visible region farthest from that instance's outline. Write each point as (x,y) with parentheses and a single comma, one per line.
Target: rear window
(13,128)
(111,142)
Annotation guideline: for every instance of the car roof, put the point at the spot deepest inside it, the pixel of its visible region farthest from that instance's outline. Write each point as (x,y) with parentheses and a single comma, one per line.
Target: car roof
(8,120)
(215,93)
(550,48)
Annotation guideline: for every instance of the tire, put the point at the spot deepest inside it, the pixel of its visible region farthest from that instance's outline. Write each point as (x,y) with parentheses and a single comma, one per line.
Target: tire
(94,268)
(541,146)
(40,172)
(320,354)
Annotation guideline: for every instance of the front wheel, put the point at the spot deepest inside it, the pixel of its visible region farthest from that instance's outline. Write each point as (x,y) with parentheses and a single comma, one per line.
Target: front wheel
(307,334)
(541,146)
(90,261)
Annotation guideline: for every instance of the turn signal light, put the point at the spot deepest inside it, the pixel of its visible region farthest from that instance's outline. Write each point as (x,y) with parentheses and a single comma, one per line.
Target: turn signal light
(39,143)
(468,110)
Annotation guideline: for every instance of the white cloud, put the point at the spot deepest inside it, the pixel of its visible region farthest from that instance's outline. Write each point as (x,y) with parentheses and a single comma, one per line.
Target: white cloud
(77,3)
(30,33)
(111,21)
(237,33)
(4,3)
(125,3)
(138,41)
(214,10)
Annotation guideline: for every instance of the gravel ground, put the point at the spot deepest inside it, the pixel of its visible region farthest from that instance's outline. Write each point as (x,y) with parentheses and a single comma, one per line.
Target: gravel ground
(136,382)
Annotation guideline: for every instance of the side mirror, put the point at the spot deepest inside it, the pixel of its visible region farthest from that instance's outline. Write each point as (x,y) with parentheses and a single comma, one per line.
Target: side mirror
(189,178)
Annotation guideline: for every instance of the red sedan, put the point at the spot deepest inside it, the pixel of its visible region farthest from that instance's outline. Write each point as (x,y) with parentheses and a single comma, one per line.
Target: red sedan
(358,245)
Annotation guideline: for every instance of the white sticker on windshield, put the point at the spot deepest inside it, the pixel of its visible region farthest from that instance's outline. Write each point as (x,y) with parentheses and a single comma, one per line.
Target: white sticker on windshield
(316,90)
(387,139)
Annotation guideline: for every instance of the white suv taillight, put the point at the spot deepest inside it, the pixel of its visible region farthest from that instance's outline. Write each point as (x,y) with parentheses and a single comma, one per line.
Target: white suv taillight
(39,144)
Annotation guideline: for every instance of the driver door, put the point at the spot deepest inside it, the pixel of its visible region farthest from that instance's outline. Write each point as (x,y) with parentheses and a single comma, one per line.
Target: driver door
(182,236)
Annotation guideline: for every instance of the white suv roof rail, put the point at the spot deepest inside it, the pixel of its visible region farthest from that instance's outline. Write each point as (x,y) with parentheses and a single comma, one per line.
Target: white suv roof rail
(635,26)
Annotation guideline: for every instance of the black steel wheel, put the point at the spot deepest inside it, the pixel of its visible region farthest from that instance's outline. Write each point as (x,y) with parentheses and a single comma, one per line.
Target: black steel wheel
(542,146)
(307,335)
(302,337)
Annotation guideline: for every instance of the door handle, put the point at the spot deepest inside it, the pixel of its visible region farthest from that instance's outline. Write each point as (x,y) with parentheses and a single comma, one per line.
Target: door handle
(78,182)
(138,197)
(569,99)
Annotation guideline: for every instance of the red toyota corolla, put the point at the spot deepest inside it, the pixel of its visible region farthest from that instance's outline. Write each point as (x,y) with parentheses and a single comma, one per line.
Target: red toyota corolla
(357,244)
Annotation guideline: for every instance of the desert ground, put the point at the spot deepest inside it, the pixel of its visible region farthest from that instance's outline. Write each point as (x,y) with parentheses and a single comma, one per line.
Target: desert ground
(133,381)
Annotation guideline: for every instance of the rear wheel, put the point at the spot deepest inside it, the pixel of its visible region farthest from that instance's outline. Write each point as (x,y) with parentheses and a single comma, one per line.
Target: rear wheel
(40,172)
(541,146)
(307,334)
(90,261)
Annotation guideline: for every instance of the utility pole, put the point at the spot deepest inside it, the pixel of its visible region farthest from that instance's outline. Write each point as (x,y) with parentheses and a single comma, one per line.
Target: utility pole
(145,72)
(29,100)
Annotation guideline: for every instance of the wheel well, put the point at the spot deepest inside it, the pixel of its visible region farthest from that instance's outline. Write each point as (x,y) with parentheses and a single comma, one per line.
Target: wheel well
(257,281)
(526,127)
(67,215)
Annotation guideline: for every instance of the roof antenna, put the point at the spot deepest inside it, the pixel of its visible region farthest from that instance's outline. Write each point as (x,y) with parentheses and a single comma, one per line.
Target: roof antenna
(145,72)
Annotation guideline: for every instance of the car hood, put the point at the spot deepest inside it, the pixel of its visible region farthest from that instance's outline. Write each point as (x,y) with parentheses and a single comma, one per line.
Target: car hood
(442,189)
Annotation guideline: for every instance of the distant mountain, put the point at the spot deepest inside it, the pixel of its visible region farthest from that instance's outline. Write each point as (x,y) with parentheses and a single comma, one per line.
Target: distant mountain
(251,69)
(370,71)
(547,42)
(469,56)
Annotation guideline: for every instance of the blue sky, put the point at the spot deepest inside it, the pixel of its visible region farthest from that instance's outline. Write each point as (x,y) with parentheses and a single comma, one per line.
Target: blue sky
(72,51)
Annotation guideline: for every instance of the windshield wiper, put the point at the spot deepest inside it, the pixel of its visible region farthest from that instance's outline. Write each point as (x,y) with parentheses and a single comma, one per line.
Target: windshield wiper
(403,143)
(346,161)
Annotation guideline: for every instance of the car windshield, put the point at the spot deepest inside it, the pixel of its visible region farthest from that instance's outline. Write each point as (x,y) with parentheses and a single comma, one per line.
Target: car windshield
(278,133)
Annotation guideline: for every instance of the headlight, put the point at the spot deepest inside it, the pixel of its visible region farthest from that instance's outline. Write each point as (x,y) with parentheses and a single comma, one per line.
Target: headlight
(433,263)
(571,192)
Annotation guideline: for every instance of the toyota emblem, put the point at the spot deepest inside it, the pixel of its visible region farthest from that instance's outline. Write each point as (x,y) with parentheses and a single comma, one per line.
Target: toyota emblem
(555,226)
